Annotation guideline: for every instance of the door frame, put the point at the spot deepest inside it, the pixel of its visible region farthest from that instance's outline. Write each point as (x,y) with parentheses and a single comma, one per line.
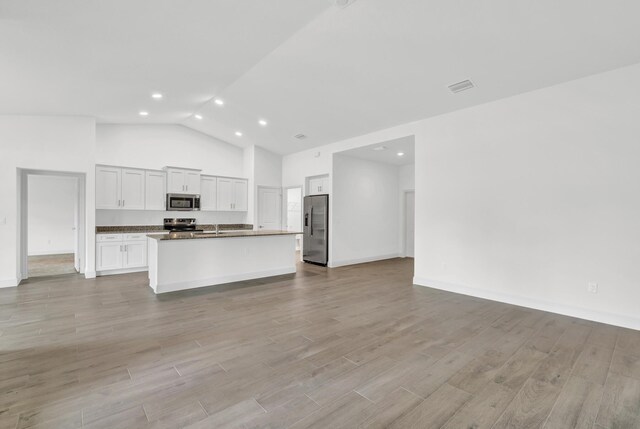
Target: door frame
(260,187)
(403,211)
(23,217)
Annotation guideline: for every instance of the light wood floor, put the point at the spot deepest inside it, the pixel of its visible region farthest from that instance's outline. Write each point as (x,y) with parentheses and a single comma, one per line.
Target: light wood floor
(350,347)
(51,265)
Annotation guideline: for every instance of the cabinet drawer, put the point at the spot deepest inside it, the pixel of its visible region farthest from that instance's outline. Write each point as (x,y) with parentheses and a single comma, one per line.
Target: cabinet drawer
(108,237)
(130,237)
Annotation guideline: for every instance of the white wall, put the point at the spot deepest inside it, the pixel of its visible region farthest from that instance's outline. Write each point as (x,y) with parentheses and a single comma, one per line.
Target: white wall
(42,143)
(530,198)
(156,146)
(365,211)
(407,177)
(51,214)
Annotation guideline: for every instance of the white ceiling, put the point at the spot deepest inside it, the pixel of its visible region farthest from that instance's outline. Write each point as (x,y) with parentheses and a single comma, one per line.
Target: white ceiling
(305,66)
(389,155)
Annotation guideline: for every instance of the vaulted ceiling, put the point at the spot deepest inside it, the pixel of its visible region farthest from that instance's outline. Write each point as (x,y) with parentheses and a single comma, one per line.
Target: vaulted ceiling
(306,67)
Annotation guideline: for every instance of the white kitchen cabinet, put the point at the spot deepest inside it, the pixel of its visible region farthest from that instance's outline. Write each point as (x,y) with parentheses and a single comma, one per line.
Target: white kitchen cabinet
(156,190)
(133,186)
(318,185)
(108,255)
(119,253)
(120,188)
(240,194)
(232,194)
(135,254)
(108,187)
(208,193)
(182,180)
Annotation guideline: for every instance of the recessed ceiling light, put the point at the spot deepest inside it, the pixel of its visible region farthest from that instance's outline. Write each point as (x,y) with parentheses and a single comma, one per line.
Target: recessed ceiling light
(218,101)
(300,136)
(156,96)
(400,154)
(197,116)
(262,122)
(379,148)
(238,133)
(143,113)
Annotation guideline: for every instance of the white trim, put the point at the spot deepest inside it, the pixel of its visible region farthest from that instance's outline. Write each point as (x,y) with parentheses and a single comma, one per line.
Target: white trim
(622,320)
(52,252)
(90,275)
(9,283)
(120,271)
(173,287)
(343,262)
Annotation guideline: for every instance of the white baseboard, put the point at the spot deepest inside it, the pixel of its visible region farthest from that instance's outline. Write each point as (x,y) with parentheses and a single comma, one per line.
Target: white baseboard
(622,320)
(193,284)
(51,252)
(344,262)
(10,282)
(90,275)
(120,271)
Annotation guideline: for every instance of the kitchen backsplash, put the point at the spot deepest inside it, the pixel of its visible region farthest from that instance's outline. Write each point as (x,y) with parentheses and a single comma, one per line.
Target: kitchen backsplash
(140,217)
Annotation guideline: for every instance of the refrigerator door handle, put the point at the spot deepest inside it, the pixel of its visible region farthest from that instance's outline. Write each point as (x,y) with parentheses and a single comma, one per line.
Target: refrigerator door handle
(311,226)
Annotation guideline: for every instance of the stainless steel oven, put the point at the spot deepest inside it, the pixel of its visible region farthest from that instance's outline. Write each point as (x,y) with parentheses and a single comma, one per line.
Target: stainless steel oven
(183,202)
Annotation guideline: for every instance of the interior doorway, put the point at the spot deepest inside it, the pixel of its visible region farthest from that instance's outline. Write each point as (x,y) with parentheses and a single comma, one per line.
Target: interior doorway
(293,207)
(52,223)
(269,208)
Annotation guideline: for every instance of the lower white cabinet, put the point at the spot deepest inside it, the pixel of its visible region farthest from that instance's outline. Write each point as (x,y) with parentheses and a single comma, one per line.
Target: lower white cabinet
(120,252)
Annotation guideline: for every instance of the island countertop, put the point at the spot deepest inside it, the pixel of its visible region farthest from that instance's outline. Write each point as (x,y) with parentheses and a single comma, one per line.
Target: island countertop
(222,234)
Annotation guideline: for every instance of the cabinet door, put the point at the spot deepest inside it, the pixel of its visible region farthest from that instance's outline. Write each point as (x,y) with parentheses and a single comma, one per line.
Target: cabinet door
(225,194)
(135,254)
(155,190)
(176,182)
(133,189)
(109,256)
(108,187)
(240,191)
(208,193)
(315,186)
(192,182)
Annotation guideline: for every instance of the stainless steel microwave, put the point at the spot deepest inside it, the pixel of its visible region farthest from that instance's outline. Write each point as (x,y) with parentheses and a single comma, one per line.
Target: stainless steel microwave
(183,202)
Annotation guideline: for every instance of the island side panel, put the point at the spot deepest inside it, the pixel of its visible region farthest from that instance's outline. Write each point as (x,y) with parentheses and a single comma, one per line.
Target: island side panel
(193,263)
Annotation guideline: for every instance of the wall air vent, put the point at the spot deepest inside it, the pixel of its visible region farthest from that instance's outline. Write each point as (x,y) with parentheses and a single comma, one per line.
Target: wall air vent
(461,86)
(300,136)
(342,3)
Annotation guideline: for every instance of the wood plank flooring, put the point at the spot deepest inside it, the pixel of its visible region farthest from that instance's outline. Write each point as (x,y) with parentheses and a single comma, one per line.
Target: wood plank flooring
(51,265)
(350,347)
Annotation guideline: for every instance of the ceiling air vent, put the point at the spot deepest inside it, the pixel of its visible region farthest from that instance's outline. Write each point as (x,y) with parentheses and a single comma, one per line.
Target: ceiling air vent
(461,86)
(300,136)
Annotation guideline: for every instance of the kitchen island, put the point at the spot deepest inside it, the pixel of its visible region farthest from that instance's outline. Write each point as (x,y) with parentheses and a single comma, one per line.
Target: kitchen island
(187,260)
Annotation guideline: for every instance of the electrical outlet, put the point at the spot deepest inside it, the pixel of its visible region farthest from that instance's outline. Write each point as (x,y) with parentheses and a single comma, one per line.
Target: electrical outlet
(592,287)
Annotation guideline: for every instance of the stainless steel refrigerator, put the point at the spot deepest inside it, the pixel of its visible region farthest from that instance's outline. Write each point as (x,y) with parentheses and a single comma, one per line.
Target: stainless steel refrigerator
(315,245)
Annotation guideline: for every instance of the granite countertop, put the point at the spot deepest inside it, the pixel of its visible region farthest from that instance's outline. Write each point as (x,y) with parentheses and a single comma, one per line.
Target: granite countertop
(127,229)
(222,234)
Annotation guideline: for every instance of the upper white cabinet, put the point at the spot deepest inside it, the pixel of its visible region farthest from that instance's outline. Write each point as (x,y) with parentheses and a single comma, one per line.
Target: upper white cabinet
(120,188)
(133,184)
(108,187)
(156,190)
(232,194)
(318,185)
(208,193)
(182,180)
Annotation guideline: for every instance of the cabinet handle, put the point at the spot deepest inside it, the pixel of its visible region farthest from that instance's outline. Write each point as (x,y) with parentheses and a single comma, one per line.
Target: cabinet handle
(122,203)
